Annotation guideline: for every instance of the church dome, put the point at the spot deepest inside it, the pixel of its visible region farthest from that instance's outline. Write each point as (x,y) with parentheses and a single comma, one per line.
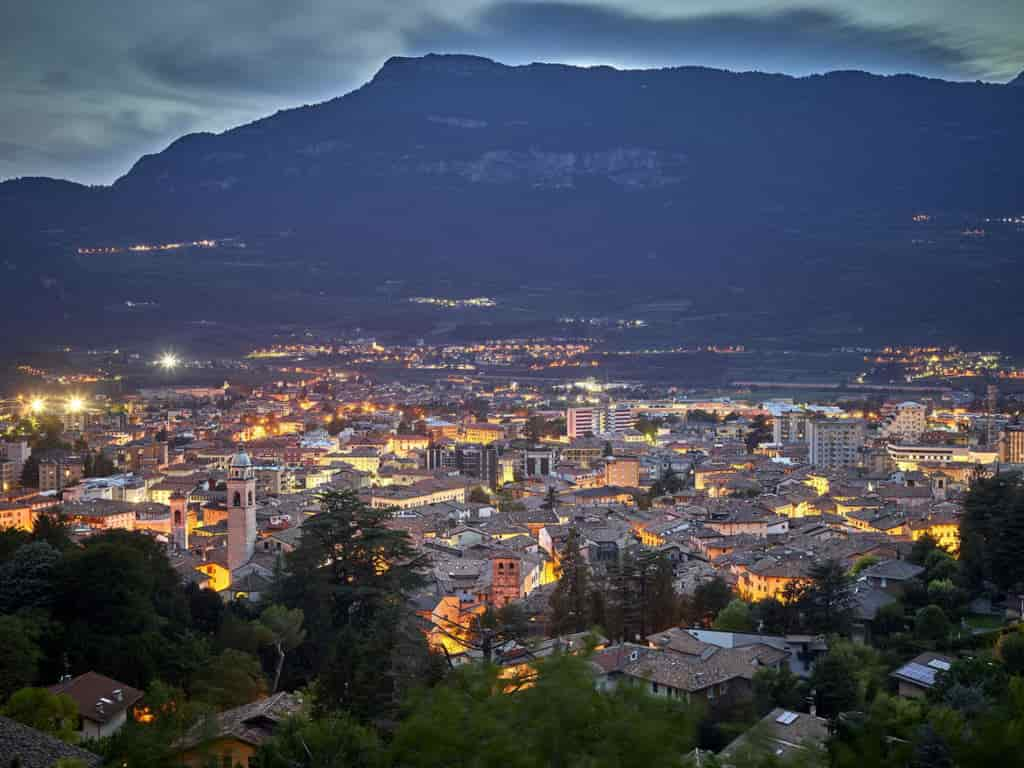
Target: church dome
(241,460)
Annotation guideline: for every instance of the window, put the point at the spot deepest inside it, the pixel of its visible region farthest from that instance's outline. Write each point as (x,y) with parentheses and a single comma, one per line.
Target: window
(236,500)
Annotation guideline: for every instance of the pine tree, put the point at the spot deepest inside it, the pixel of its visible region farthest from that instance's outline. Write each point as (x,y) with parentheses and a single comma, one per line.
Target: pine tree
(571,601)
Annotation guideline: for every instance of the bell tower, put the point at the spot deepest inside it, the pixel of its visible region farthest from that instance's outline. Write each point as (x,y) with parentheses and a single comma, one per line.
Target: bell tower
(241,511)
(179,520)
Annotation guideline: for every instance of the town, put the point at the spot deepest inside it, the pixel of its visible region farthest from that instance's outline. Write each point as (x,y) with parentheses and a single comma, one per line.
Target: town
(197,572)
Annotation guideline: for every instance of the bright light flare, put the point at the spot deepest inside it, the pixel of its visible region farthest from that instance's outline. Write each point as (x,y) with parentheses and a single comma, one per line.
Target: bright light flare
(168,361)
(37,405)
(75,404)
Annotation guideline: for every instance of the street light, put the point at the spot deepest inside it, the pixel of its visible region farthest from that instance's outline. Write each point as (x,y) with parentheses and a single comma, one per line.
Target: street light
(37,405)
(75,404)
(168,361)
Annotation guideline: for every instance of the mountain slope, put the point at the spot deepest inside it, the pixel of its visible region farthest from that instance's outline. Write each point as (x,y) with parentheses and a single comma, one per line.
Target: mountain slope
(626,182)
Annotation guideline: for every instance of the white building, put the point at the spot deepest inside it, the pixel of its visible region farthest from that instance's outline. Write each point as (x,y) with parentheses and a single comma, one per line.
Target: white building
(582,421)
(836,442)
(907,422)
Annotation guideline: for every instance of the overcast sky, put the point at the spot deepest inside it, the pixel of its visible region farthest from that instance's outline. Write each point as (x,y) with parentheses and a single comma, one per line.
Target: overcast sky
(89,85)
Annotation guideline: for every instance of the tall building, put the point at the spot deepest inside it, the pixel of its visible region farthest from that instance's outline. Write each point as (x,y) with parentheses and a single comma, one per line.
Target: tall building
(1011,445)
(241,511)
(179,520)
(836,442)
(583,421)
(907,422)
(790,426)
(619,418)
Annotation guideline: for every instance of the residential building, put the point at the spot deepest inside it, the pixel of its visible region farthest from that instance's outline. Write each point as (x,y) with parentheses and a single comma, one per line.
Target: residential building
(836,443)
(917,676)
(1011,445)
(26,747)
(103,704)
(907,422)
(580,422)
(234,736)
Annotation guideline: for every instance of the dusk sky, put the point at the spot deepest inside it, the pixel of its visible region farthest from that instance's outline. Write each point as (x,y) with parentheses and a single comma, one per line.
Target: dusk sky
(90,86)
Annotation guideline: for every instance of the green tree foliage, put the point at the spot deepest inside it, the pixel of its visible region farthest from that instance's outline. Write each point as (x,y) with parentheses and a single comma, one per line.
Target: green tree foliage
(863,562)
(735,617)
(932,627)
(760,432)
(30,472)
(847,677)
(709,598)
(570,601)
(28,578)
(777,688)
(55,714)
(1011,652)
(638,596)
(479,496)
(98,464)
(775,617)
(992,532)
(52,528)
(335,741)
(20,654)
(561,720)
(121,605)
(231,679)
(826,599)
(351,578)
(280,628)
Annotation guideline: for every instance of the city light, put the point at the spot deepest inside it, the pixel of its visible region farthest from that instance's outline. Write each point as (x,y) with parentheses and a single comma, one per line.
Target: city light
(168,361)
(75,404)
(37,405)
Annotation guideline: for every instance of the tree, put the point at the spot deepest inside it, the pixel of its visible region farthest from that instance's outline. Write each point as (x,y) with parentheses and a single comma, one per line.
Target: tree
(335,741)
(55,714)
(923,547)
(735,617)
(847,677)
(230,680)
(479,496)
(19,660)
(352,578)
(827,597)
(550,499)
(760,432)
(992,531)
(709,598)
(1010,650)
(863,562)
(28,578)
(560,720)
(30,472)
(777,688)
(570,600)
(52,528)
(931,626)
(282,629)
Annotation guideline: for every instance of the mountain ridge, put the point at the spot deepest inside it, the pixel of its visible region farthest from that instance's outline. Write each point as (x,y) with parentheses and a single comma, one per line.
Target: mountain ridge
(452,167)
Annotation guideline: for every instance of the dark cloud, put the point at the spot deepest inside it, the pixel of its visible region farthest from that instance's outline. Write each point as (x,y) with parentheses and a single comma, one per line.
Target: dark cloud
(794,41)
(85,88)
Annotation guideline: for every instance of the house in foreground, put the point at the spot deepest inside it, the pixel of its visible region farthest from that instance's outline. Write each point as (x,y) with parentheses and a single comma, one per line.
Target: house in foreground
(28,748)
(104,704)
(233,737)
(782,734)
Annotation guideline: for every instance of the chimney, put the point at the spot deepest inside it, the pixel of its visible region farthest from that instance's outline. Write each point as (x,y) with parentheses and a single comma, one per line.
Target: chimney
(118,694)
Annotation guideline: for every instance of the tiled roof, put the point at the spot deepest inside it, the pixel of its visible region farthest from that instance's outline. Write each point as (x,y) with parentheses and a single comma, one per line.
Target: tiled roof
(29,748)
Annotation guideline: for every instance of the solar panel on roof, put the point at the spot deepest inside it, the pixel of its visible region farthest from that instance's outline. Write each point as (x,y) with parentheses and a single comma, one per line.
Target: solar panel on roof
(918,673)
(939,664)
(787,718)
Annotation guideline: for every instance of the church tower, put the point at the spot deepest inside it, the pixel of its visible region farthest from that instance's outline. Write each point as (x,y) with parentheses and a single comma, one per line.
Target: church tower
(179,520)
(241,511)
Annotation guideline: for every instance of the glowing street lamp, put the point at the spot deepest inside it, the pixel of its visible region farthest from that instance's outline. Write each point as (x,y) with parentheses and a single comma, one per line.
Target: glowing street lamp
(37,405)
(75,404)
(168,361)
